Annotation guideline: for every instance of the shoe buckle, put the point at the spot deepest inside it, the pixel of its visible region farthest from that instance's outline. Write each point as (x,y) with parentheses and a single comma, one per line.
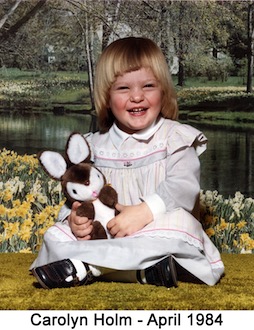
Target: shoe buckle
(75,280)
(89,277)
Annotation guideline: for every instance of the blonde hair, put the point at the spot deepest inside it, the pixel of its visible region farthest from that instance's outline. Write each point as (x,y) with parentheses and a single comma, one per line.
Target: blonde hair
(126,55)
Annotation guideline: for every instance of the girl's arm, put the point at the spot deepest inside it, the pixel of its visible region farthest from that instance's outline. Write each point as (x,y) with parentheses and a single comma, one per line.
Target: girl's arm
(130,219)
(182,184)
(179,189)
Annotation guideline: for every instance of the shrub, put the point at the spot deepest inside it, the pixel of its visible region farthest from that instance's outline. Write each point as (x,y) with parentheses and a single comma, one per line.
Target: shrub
(29,202)
(229,222)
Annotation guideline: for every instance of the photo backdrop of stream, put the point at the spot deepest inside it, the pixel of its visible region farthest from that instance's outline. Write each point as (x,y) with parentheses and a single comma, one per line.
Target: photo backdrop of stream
(226,166)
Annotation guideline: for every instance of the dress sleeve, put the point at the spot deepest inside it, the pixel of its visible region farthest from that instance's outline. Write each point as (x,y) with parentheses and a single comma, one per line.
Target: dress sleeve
(89,138)
(181,186)
(64,212)
(184,136)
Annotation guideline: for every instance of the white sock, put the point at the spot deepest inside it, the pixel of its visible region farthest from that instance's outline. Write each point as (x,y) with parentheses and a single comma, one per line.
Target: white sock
(143,277)
(81,270)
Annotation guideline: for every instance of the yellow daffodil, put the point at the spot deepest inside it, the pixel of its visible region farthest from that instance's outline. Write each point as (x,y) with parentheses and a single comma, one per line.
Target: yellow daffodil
(3,211)
(10,229)
(210,232)
(241,224)
(223,224)
(8,195)
(27,250)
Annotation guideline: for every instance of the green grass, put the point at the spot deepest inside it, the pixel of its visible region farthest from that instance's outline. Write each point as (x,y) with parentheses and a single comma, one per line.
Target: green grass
(243,120)
(32,90)
(76,95)
(19,290)
(204,82)
(16,74)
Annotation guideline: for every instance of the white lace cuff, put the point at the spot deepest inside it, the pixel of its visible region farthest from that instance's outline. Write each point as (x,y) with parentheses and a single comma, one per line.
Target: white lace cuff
(155,203)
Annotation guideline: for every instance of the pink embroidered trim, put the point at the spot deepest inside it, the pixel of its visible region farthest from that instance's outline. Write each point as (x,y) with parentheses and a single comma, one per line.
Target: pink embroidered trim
(125,159)
(168,229)
(64,232)
(215,262)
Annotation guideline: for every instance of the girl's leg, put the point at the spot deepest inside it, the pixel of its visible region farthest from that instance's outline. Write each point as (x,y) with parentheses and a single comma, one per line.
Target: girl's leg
(185,276)
(66,272)
(72,272)
(162,273)
(133,253)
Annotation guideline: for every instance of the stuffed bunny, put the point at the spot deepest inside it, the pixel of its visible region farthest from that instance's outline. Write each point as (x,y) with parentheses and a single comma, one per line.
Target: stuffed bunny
(83,182)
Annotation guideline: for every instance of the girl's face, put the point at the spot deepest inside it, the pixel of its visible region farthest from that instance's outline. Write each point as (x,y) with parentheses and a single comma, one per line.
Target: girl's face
(135,100)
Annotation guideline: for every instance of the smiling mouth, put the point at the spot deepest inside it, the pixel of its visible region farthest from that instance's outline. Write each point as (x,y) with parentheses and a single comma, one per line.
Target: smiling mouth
(137,110)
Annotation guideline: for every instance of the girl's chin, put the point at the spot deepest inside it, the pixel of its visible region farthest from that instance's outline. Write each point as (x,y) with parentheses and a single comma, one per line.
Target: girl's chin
(132,128)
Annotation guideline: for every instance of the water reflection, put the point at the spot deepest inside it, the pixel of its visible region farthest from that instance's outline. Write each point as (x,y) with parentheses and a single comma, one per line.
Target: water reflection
(33,133)
(227,165)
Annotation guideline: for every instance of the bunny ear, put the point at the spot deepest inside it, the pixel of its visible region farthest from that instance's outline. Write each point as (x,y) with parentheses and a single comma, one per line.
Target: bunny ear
(53,163)
(77,149)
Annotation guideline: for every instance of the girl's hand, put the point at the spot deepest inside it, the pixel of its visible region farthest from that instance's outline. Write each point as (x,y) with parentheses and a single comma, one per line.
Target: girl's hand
(80,226)
(130,219)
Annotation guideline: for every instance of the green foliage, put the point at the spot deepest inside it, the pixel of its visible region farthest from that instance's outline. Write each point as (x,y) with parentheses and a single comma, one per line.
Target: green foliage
(229,222)
(29,202)
(217,69)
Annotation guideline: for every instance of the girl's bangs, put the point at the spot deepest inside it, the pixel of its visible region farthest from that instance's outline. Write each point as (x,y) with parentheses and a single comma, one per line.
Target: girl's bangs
(130,61)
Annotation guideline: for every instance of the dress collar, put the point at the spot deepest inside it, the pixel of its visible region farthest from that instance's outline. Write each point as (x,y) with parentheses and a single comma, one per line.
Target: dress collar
(118,136)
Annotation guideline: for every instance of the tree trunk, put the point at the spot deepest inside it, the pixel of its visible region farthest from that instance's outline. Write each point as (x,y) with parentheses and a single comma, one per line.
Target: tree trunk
(9,13)
(181,77)
(181,73)
(250,51)
(90,66)
(111,13)
(14,29)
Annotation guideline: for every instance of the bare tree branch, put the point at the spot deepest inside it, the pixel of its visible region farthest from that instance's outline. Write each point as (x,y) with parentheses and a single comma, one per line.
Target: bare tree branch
(9,13)
(14,29)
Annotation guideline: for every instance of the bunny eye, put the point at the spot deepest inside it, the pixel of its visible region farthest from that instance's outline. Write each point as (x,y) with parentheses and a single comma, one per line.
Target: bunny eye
(74,191)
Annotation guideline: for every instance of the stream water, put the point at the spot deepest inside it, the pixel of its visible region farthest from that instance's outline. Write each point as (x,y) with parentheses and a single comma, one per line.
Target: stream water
(227,165)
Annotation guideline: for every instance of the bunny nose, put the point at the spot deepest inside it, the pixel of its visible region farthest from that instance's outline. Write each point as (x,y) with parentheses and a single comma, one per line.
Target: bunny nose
(87,182)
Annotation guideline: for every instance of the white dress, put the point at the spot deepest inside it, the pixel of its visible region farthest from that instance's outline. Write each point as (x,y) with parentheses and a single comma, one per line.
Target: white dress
(160,166)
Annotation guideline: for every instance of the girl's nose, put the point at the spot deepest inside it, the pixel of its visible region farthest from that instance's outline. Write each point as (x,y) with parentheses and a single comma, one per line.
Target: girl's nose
(137,95)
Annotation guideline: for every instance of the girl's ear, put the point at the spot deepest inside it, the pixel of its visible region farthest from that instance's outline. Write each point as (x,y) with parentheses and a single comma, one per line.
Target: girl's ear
(53,163)
(77,149)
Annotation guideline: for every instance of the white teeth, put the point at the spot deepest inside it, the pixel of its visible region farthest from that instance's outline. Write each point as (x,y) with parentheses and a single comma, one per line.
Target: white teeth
(137,110)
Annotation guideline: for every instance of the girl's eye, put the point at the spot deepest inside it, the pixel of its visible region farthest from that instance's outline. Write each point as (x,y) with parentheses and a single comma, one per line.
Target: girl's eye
(122,87)
(149,85)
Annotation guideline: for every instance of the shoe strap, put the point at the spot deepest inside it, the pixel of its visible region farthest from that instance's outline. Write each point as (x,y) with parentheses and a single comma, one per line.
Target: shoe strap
(89,275)
(139,279)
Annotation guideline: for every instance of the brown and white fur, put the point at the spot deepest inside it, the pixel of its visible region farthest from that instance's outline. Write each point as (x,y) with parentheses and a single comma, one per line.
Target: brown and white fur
(83,182)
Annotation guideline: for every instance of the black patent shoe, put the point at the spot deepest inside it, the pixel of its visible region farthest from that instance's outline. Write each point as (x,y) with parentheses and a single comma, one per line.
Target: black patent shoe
(54,275)
(161,274)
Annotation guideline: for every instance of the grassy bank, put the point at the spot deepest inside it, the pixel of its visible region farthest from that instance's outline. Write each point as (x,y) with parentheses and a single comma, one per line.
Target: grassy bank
(216,103)
(31,91)
(212,102)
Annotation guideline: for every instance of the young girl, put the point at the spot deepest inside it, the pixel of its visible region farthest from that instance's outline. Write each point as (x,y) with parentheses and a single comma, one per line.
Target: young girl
(152,162)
